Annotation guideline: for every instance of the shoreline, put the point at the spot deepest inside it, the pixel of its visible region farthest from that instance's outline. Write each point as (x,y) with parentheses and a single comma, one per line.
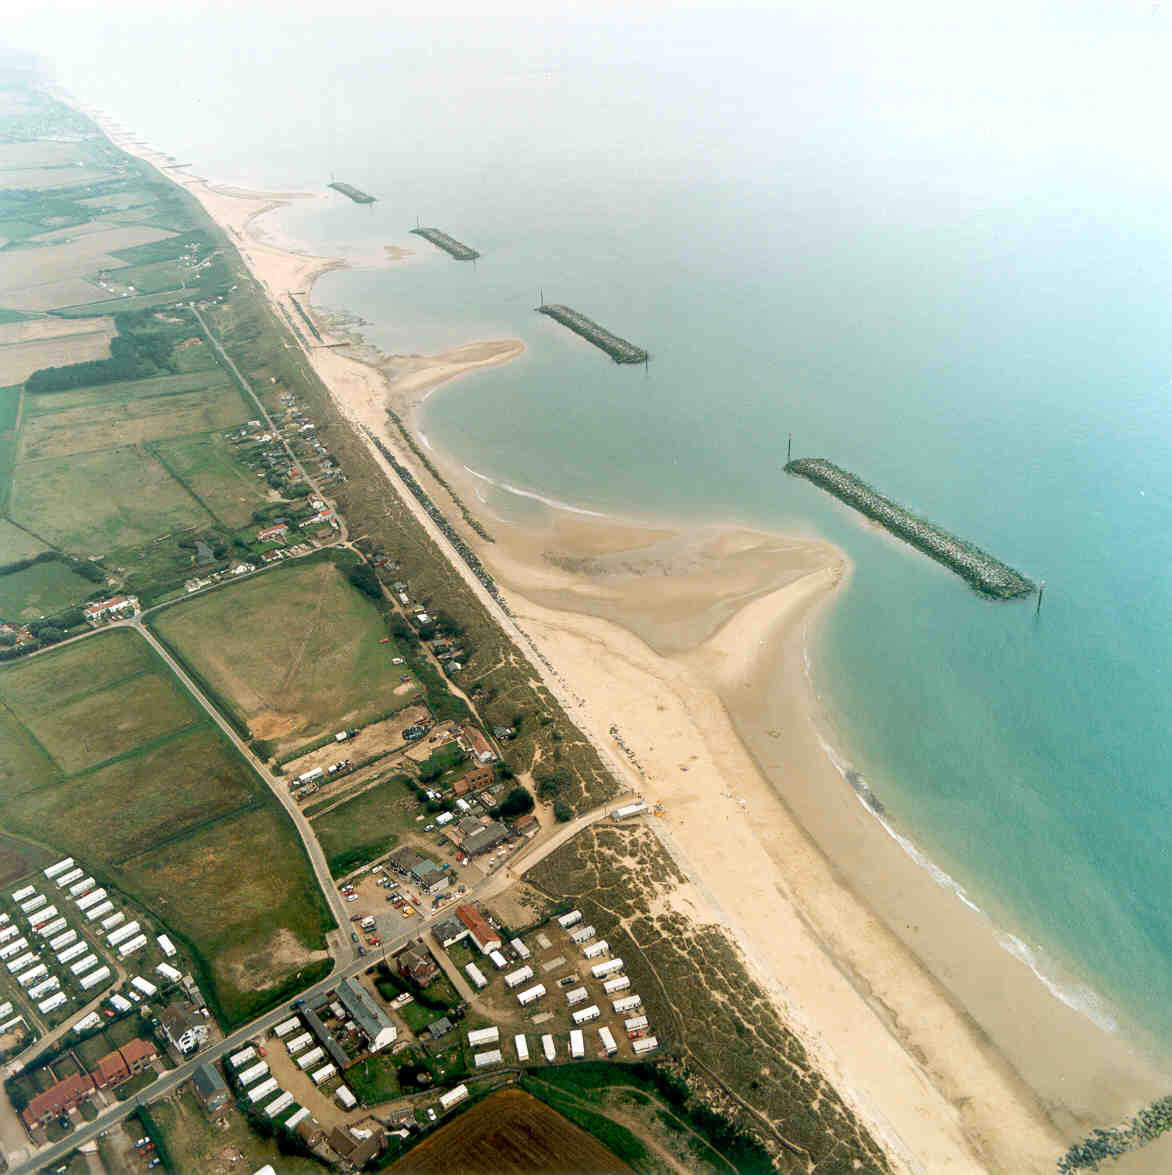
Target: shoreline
(845,998)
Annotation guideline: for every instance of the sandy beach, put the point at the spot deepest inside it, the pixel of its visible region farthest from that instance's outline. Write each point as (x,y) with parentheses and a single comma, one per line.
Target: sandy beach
(693,643)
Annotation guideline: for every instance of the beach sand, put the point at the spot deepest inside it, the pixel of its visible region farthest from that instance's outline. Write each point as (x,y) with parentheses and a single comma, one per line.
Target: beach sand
(693,643)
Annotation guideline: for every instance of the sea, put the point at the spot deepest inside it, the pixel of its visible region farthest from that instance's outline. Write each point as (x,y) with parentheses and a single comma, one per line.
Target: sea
(933,247)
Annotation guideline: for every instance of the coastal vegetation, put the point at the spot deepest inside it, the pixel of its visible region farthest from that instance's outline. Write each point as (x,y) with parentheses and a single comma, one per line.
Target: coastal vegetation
(987,575)
(734,1054)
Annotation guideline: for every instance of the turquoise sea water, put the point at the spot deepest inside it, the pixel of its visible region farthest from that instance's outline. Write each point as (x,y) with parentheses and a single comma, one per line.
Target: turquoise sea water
(975,320)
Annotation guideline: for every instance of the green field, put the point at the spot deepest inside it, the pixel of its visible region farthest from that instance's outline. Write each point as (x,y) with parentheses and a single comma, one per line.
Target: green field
(295,651)
(92,503)
(43,589)
(230,490)
(16,543)
(9,407)
(152,797)
(365,827)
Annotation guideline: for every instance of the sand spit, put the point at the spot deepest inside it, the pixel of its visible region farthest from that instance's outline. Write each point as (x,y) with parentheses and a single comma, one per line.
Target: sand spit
(692,643)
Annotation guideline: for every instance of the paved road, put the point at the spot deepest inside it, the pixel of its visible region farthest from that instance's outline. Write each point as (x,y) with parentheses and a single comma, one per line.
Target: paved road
(342,948)
(226,359)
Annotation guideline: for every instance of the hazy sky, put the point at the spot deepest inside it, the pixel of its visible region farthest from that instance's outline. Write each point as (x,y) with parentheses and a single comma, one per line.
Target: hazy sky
(1007,80)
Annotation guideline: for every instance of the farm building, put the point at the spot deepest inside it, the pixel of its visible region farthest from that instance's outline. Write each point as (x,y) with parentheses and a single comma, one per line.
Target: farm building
(370,1018)
(483,935)
(115,606)
(210,1089)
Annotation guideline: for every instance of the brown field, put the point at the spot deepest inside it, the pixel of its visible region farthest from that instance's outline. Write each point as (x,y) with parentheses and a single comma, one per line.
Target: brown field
(135,421)
(372,740)
(509,1133)
(53,328)
(19,360)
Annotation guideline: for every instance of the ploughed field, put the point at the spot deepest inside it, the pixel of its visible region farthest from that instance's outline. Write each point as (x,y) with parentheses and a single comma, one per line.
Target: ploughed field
(296,653)
(104,755)
(509,1133)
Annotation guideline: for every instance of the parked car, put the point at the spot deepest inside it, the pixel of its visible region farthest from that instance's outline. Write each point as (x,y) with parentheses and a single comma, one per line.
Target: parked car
(353,937)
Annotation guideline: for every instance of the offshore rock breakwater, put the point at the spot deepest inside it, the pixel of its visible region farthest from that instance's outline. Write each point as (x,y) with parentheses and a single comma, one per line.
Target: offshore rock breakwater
(450,245)
(618,349)
(983,572)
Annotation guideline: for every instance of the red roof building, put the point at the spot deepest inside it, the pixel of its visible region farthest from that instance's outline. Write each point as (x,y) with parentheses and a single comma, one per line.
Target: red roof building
(479,930)
(55,1100)
(112,1069)
(138,1054)
(480,747)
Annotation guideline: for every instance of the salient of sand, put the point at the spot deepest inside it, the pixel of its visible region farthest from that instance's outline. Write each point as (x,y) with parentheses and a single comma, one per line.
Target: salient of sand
(692,643)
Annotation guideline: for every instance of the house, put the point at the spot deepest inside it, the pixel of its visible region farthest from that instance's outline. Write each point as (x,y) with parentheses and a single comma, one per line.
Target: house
(483,935)
(449,931)
(417,964)
(210,1088)
(273,534)
(527,825)
(370,1018)
(430,877)
(58,1099)
(357,1151)
(478,746)
(138,1054)
(115,606)
(440,1027)
(183,1028)
(474,780)
(111,1069)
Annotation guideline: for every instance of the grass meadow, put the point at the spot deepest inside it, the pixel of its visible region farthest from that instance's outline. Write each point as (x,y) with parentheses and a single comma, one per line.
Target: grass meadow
(105,756)
(296,651)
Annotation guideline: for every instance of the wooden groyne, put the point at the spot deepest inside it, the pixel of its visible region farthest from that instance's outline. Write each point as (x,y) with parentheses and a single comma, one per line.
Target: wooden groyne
(987,575)
(618,349)
(355,194)
(448,244)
